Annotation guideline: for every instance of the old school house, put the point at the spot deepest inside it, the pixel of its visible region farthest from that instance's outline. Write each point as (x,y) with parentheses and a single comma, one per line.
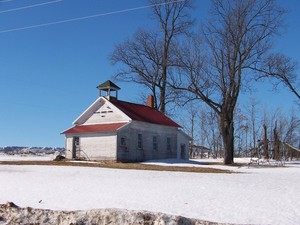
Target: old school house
(111,129)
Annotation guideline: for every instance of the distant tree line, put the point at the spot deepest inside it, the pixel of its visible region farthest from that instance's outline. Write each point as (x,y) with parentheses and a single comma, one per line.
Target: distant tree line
(258,132)
(30,150)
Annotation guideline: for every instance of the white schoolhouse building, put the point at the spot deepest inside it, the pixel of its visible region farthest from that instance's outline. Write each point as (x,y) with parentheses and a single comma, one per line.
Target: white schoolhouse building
(111,129)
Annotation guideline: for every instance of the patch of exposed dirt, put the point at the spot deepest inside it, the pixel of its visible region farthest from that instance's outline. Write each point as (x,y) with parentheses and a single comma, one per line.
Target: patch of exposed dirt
(118,165)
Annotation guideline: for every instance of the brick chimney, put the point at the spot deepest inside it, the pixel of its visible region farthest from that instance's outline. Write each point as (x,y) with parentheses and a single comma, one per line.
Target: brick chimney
(150,101)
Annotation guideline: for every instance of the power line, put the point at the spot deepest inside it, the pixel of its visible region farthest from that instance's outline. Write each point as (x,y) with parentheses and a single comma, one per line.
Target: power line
(4,1)
(30,6)
(86,17)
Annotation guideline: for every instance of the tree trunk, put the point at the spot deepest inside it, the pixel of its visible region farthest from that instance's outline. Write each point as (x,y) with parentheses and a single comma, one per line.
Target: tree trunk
(164,75)
(277,155)
(265,142)
(163,99)
(227,132)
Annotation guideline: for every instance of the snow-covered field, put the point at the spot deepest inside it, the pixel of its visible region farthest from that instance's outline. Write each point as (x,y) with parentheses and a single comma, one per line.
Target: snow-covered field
(4,157)
(252,196)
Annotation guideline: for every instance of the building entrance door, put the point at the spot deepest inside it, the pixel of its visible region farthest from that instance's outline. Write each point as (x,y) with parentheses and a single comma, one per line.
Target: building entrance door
(182,151)
(75,148)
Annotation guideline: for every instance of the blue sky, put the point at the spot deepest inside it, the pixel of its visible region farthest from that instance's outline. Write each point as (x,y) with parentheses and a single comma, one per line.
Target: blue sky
(48,74)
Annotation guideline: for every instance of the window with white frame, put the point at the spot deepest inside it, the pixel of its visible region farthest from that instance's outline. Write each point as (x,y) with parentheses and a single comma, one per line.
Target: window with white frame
(154,141)
(123,142)
(168,144)
(140,141)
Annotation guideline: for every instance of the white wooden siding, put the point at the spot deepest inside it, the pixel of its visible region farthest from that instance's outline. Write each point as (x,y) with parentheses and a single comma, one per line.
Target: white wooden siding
(95,146)
(133,153)
(69,144)
(99,146)
(101,111)
(89,112)
(106,114)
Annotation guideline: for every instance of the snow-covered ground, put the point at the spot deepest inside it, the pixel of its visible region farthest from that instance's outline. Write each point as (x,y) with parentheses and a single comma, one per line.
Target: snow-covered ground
(26,157)
(252,196)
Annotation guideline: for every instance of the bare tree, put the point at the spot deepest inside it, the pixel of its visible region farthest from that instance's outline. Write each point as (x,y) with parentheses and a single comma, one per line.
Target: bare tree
(238,40)
(265,142)
(241,131)
(142,59)
(276,144)
(252,113)
(192,113)
(212,133)
(147,57)
(292,135)
(281,70)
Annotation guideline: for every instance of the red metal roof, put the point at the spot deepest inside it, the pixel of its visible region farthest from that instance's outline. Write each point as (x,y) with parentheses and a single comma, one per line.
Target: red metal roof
(97,128)
(144,113)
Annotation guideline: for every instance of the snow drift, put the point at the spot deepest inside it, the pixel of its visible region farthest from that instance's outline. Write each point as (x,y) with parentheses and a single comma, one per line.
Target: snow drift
(12,214)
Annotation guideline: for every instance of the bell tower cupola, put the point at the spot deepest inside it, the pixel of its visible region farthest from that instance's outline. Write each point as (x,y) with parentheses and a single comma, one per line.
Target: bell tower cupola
(108,87)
